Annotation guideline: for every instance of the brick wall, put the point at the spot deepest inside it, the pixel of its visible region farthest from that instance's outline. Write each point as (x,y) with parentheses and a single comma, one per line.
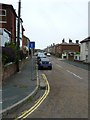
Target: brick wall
(75,48)
(10,69)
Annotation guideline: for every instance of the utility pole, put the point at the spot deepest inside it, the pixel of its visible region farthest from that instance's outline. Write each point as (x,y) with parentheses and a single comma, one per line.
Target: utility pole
(18,34)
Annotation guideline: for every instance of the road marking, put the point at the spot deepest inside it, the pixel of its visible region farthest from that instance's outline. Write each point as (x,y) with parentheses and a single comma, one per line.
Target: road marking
(74,74)
(60,59)
(38,103)
(58,65)
(52,61)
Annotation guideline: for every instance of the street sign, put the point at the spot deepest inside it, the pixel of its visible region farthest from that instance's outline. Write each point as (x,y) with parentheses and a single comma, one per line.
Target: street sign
(31,44)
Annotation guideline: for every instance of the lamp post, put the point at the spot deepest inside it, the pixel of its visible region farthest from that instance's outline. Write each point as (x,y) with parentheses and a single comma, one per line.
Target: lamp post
(18,34)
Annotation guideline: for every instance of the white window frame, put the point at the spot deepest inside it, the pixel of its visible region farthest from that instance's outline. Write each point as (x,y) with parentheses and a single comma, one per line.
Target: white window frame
(3,21)
(3,10)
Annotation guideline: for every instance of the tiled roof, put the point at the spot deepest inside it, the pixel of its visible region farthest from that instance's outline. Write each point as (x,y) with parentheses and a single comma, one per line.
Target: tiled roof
(85,40)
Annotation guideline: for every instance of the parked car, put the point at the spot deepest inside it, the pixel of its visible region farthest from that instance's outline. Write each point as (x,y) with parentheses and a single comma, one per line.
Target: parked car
(39,56)
(45,53)
(44,63)
(48,54)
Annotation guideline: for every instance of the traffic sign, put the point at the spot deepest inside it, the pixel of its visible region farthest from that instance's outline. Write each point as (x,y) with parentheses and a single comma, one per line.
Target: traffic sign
(31,44)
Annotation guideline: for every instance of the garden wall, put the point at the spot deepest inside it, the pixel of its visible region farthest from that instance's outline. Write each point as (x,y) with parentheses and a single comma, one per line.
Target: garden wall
(10,69)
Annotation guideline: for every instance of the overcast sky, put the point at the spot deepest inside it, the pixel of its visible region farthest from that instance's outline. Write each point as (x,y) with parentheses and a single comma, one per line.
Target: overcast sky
(49,21)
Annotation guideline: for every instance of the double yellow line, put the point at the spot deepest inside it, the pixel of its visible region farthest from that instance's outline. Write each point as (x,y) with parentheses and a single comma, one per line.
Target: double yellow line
(38,102)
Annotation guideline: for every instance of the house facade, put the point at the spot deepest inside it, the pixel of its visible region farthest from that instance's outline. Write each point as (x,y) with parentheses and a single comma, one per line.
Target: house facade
(25,45)
(65,50)
(68,50)
(21,32)
(8,19)
(9,24)
(84,50)
(4,36)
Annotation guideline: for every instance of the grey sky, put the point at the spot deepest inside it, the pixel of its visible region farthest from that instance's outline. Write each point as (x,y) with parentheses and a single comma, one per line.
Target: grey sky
(49,21)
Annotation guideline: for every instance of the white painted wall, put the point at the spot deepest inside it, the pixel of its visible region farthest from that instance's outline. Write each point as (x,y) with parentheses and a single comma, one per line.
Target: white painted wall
(4,37)
(77,57)
(83,52)
(89,53)
(64,55)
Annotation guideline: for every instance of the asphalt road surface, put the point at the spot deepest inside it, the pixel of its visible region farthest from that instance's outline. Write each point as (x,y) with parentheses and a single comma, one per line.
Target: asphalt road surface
(68,97)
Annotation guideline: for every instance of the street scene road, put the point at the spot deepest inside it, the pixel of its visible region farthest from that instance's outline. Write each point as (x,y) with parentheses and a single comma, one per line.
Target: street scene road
(68,97)
(44,59)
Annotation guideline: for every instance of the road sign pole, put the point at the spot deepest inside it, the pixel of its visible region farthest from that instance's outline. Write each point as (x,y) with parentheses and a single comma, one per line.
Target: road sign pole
(32,46)
(32,64)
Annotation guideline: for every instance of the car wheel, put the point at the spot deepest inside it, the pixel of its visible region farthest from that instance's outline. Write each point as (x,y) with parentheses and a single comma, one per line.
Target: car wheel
(50,68)
(39,68)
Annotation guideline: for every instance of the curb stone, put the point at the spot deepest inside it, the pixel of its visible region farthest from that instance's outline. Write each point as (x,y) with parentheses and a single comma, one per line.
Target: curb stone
(21,102)
(18,104)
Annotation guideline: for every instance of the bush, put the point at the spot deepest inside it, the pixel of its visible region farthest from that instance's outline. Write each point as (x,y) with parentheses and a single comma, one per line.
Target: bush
(22,55)
(8,55)
(11,45)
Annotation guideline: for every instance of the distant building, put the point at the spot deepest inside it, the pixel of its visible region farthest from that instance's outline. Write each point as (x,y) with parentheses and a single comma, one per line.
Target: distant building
(84,50)
(67,50)
(25,45)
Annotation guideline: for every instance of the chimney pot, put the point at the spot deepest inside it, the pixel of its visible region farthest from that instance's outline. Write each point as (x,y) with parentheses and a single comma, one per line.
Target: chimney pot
(63,41)
(70,41)
(77,41)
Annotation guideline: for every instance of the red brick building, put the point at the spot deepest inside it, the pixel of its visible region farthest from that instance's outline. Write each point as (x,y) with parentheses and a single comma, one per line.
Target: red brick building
(8,19)
(68,50)
(65,50)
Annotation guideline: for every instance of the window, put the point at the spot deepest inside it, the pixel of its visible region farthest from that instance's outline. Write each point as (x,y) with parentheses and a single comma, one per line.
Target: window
(75,57)
(3,22)
(2,12)
(86,56)
(2,16)
(87,45)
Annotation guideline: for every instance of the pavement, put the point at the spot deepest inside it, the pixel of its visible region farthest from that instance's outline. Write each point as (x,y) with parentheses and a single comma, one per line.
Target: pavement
(82,65)
(20,86)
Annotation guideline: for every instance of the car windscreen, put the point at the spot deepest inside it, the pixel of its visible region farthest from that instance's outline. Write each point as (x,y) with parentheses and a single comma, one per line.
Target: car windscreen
(45,59)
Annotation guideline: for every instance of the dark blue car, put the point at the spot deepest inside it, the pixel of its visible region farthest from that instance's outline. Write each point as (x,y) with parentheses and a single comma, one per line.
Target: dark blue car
(44,63)
(40,55)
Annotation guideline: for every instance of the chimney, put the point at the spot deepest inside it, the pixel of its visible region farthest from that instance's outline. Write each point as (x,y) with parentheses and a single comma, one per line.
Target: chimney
(77,41)
(63,41)
(70,41)
(53,44)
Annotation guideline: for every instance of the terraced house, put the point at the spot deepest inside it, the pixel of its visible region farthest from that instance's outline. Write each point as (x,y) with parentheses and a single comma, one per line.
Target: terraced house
(8,24)
(65,50)
(85,50)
